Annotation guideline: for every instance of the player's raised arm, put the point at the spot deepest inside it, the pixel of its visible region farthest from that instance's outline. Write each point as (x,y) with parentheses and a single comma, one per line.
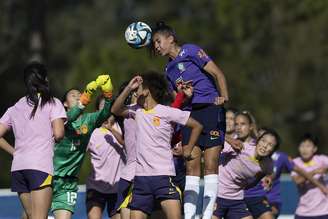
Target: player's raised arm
(119,108)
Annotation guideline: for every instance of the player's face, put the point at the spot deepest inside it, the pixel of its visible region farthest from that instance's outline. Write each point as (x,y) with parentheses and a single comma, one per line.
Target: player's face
(140,93)
(243,127)
(307,149)
(162,44)
(72,98)
(266,145)
(230,122)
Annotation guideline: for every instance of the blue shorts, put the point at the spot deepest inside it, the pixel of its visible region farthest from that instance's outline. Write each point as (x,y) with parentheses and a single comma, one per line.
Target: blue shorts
(230,209)
(95,198)
(313,217)
(257,205)
(212,117)
(24,181)
(180,169)
(124,194)
(147,189)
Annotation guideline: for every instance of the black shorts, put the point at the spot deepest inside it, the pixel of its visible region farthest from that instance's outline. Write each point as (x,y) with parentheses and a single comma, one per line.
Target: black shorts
(95,198)
(212,117)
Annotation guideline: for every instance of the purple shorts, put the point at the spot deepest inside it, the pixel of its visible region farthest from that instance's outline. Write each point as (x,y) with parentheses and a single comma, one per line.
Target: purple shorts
(24,181)
(212,118)
(313,217)
(147,189)
(95,198)
(230,209)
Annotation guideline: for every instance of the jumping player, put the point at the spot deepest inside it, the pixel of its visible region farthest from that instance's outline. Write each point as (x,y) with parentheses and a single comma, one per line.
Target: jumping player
(189,63)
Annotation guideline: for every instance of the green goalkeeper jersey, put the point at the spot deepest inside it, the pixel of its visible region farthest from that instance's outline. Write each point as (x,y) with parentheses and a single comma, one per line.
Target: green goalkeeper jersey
(70,152)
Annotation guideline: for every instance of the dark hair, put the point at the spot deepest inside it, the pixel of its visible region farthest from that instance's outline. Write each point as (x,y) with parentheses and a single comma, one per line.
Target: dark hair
(64,97)
(37,86)
(272,132)
(162,28)
(158,87)
(231,109)
(310,137)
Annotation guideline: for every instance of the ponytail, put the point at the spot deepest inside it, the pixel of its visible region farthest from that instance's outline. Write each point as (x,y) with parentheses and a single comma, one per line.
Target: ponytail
(37,86)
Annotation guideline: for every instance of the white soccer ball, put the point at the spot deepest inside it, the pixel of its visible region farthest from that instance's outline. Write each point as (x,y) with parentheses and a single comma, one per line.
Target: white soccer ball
(138,34)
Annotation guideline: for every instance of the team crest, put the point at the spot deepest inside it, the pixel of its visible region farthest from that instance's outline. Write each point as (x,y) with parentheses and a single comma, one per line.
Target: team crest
(156,121)
(84,129)
(181,67)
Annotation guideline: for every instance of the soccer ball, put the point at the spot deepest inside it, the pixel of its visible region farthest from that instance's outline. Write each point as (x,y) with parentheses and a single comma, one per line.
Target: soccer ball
(138,34)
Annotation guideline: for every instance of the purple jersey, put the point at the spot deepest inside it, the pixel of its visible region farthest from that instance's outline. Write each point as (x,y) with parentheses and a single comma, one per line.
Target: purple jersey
(281,162)
(188,65)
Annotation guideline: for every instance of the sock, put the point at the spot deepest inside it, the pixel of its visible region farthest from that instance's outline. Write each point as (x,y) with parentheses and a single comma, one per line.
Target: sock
(191,196)
(210,194)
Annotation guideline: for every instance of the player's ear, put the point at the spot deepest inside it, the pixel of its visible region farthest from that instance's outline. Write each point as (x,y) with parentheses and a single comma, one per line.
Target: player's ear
(65,104)
(315,149)
(170,38)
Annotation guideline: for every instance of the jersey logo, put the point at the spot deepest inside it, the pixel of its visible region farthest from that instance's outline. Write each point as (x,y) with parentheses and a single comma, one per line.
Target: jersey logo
(214,134)
(181,67)
(156,121)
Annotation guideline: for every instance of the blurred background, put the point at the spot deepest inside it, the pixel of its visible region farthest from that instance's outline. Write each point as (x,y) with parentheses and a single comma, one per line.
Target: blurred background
(273,53)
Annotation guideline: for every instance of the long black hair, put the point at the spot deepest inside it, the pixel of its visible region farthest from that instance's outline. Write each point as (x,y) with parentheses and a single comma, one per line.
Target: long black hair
(37,86)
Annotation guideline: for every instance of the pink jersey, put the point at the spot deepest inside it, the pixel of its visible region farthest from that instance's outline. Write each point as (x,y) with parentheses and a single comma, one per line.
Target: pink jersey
(312,201)
(106,157)
(235,170)
(154,133)
(34,140)
(129,168)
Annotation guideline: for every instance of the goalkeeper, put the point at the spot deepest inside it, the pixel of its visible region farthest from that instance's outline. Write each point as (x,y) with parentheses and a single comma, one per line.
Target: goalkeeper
(69,153)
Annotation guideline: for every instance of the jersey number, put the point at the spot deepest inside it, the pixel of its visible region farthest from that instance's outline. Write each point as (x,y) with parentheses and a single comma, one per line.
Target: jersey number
(71,198)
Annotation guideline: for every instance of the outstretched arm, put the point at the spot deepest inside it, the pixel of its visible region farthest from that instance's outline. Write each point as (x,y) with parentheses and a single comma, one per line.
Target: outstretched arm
(119,108)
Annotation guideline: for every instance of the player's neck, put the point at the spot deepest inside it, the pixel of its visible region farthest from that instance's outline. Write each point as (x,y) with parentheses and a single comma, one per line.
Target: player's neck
(230,135)
(149,104)
(174,51)
(306,160)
